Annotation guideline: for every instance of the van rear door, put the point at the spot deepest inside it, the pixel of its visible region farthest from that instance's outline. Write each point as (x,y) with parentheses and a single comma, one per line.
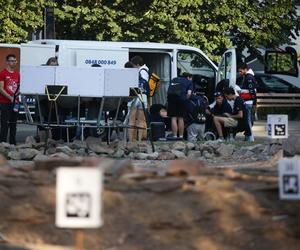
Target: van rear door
(284,62)
(227,68)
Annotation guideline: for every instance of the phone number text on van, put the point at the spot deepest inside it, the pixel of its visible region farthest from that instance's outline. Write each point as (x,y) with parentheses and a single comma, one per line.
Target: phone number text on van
(101,62)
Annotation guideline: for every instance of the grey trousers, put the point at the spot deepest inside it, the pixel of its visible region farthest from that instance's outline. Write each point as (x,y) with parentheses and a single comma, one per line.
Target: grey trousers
(195,132)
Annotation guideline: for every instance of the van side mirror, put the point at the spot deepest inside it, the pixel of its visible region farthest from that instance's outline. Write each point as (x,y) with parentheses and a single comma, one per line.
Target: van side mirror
(282,62)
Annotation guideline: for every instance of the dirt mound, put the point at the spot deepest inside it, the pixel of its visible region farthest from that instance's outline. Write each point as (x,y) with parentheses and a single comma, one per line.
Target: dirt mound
(198,208)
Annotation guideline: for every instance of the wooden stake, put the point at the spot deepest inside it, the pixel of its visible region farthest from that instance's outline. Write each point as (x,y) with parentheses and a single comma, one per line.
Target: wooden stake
(79,239)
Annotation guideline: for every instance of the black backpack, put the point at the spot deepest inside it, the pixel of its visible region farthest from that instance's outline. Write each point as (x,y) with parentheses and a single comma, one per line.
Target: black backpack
(175,88)
(198,114)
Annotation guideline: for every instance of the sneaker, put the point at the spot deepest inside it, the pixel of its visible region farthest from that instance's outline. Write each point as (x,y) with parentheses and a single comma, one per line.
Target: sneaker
(231,139)
(249,138)
(170,137)
(220,140)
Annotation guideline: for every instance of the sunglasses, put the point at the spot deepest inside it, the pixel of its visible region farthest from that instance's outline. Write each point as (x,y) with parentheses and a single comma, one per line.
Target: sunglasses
(12,60)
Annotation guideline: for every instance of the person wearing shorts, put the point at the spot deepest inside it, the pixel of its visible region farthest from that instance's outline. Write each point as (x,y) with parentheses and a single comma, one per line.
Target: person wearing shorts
(177,103)
(230,120)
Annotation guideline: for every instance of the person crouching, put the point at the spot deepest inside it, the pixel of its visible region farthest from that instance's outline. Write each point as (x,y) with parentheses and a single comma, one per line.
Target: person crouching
(196,117)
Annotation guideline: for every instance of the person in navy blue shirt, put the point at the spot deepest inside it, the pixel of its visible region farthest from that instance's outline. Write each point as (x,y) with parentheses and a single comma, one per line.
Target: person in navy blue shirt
(222,106)
(180,89)
(238,116)
(196,117)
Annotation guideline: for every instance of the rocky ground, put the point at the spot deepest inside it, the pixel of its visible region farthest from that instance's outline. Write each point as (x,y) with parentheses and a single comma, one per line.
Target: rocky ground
(183,196)
(211,152)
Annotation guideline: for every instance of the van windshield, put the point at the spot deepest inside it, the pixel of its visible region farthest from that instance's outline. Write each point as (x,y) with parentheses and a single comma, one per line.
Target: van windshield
(202,71)
(193,63)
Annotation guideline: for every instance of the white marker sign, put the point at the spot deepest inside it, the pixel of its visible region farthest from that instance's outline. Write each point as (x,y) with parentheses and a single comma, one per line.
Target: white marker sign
(289,178)
(78,197)
(277,126)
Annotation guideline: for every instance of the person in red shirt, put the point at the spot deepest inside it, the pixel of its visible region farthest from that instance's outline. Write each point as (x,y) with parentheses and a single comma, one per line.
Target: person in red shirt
(9,91)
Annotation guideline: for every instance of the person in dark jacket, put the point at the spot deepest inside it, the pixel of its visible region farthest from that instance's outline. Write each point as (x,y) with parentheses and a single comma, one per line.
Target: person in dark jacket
(248,94)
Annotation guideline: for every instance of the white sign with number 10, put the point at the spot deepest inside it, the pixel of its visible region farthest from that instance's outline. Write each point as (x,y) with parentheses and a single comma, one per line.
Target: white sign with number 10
(289,178)
(78,197)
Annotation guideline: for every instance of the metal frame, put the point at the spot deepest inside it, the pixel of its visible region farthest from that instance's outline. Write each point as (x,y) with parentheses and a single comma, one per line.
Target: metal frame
(48,125)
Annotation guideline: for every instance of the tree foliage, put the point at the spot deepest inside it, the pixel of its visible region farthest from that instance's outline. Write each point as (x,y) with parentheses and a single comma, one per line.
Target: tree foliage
(19,18)
(210,25)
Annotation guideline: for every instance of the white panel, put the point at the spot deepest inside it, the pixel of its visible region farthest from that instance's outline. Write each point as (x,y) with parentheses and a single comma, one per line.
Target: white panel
(36,54)
(81,81)
(119,81)
(86,82)
(108,58)
(34,79)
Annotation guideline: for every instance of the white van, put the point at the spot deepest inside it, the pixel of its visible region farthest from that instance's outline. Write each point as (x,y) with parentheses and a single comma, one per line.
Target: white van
(166,60)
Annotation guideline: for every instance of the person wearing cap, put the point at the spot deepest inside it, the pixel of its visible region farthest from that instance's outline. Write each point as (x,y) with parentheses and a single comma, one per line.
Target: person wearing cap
(238,117)
(220,108)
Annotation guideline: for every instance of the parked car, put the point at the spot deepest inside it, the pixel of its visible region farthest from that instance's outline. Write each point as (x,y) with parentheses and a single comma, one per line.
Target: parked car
(272,84)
